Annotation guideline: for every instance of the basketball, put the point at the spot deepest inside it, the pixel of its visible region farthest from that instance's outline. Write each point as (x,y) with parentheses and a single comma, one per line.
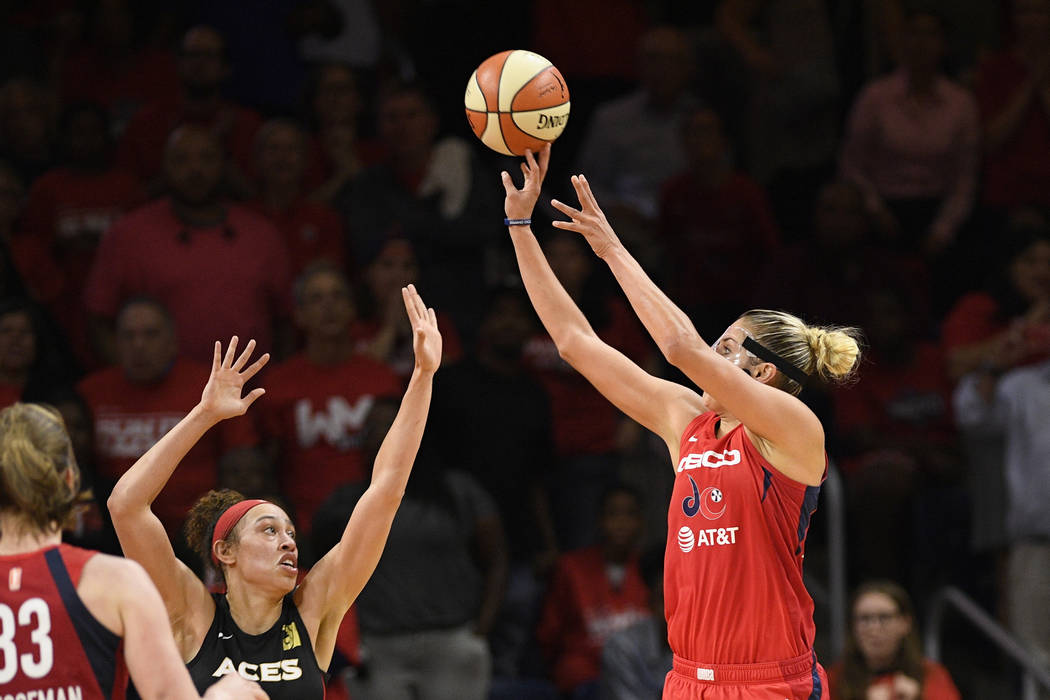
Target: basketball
(516,100)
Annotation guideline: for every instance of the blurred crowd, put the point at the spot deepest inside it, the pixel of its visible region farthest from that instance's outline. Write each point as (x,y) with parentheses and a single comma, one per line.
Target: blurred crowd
(172,174)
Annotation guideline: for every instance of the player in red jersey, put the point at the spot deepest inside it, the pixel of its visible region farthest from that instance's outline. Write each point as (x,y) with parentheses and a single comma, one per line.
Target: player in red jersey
(267,625)
(64,611)
(748,454)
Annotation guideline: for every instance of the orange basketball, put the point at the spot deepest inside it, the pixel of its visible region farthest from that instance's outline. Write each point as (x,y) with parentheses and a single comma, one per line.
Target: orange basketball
(516,100)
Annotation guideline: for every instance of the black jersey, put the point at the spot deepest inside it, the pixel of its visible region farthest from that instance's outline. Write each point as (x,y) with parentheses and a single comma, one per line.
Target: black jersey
(281,659)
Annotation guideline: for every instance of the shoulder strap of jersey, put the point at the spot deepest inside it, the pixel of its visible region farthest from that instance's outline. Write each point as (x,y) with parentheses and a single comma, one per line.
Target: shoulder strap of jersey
(100,645)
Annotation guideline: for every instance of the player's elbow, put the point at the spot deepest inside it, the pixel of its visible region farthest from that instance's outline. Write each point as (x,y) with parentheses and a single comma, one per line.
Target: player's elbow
(679,348)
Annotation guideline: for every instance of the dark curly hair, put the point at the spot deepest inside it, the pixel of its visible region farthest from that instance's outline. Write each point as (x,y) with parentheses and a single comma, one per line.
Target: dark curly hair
(201,521)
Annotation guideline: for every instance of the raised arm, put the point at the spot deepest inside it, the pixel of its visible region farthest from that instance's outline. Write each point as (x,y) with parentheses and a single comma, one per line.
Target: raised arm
(661,406)
(142,536)
(332,585)
(770,413)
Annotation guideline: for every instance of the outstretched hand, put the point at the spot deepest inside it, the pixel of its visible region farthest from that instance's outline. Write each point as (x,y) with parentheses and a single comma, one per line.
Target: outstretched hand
(222,394)
(426,338)
(589,220)
(520,203)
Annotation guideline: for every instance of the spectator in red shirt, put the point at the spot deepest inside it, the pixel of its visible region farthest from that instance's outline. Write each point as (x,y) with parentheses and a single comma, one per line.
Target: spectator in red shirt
(590,434)
(379,331)
(136,402)
(595,592)
(189,249)
(312,230)
(203,69)
(317,401)
(1013,94)
(70,208)
(883,659)
(715,223)
(117,65)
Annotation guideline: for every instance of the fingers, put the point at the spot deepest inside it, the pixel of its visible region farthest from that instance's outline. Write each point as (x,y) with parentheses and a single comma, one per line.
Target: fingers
(531,160)
(566,209)
(586,187)
(252,396)
(255,367)
(410,308)
(243,359)
(216,360)
(432,315)
(421,308)
(545,156)
(508,184)
(230,350)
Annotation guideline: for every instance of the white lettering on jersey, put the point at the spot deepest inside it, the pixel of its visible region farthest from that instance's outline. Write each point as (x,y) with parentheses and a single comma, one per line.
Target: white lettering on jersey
(70,692)
(268,672)
(130,435)
(337,424)
(709,459)
(14,579)
(709,537)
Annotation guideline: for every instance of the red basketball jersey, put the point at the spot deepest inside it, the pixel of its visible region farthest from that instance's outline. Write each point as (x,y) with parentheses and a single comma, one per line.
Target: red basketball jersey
(49,642)
(733,564)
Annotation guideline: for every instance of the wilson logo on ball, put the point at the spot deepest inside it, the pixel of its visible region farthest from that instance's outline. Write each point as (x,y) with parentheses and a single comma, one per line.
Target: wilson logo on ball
(516,100)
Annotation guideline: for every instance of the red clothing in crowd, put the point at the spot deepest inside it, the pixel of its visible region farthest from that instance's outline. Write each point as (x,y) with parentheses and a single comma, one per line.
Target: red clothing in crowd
(975,317)
(936,682)
(585,422)
(217,281)
(583,608)
(910,404)
(9,394)
(141,148)
(129,418)
(121,84)
(714,234)
(316,413)
(402,361)
(312,231)
(69,212)
(1018,172)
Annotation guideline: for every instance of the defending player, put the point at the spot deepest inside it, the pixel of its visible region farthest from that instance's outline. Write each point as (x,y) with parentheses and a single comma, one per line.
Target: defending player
(749,459)
(64,611)
(265,627)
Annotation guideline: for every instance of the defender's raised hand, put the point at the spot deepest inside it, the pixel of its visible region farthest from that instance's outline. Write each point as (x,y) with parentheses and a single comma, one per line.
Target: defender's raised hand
(589,220)
(519,203)
(426,338)
(222,398)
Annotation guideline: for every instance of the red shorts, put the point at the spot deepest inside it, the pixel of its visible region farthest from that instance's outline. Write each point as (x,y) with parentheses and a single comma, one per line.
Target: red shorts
(801,678)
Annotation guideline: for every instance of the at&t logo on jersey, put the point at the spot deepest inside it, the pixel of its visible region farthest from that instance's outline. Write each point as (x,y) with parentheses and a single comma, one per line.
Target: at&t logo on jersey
(709,459)
(710,537)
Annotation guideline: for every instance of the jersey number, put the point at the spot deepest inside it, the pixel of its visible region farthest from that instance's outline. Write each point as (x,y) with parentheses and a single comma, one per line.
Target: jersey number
(32,667)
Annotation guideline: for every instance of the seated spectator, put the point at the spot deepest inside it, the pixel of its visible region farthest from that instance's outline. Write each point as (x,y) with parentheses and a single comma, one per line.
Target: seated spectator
(312,230)
(425,613)
(468,432)
(72,206)
(883,659)
(337,151)
(912,144)
(716,224)
(590,434)
(203,69)
(317,401)
(637,659)
(189,249)
(634,143)
(429,190)
(28,267)
(28,109)
(134,403)
(1013,93)
(31,361)
(378,331)
(897,445)
(118,64)
(594,593)
(1014,407)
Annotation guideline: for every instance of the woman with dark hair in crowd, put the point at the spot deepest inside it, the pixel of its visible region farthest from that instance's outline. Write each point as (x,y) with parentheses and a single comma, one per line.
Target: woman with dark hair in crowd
(749,458)
(74,607)
(267,625)
(30,358)
(883,659)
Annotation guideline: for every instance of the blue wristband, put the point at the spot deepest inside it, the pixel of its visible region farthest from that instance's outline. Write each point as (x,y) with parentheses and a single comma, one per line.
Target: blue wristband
(517,222)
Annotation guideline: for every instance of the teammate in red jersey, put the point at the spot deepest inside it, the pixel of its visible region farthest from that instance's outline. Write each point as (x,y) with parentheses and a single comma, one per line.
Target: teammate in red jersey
(267,626)
(748,454)
(64,611)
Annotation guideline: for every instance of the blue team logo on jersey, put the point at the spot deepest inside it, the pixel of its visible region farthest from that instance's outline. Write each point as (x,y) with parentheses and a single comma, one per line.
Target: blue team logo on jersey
(709,503)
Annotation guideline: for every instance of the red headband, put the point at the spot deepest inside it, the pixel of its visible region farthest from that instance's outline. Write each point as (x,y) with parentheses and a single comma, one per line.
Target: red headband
(229,519)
